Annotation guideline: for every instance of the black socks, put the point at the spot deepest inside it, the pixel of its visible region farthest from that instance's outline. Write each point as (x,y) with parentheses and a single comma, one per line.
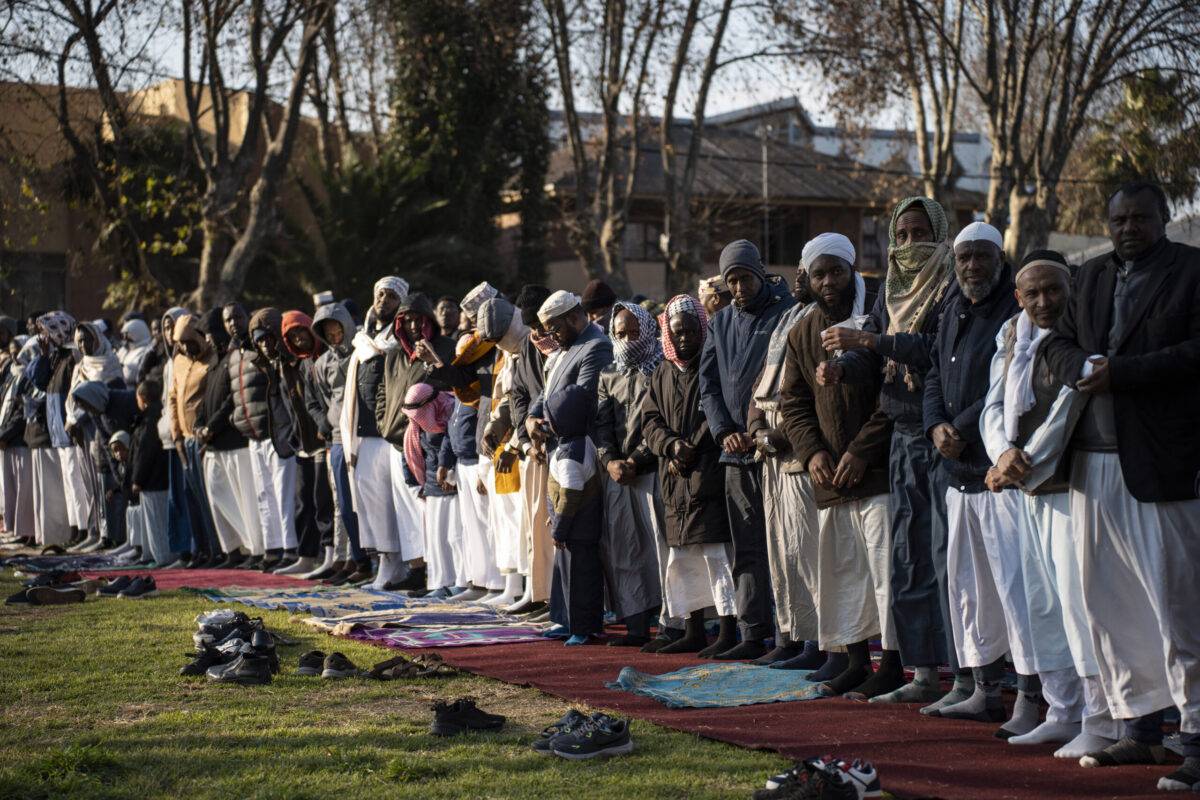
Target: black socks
(810,658)
(857,670)
(693,639)
(835,664)
(784,651)
(726,638)
(889,676)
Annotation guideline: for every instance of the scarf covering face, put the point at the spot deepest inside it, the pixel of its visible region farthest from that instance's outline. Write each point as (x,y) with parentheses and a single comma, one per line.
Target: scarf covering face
(59,327)
(102,365)
(138,343)
(917,278)
(545,343)
(1019,395)
(427,410)
(681,304)
(643,353)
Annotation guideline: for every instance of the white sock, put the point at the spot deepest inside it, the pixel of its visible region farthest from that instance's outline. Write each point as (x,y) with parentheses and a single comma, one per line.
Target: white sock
(1081,745)
(1024,718)
(1048,732)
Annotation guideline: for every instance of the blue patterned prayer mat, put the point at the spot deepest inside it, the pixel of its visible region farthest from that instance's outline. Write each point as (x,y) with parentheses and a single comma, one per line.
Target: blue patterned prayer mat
(411,617)
(324,601)
(718,686)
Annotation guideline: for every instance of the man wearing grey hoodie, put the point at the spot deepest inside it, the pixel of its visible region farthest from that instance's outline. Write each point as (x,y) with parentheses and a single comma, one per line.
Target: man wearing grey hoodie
(334,326)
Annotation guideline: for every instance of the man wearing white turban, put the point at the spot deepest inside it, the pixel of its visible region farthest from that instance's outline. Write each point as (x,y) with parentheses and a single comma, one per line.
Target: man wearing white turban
(979,579)
(368,454)
(836,434)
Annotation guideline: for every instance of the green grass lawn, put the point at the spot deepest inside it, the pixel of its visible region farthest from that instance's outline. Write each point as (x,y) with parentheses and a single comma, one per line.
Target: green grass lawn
(92,705)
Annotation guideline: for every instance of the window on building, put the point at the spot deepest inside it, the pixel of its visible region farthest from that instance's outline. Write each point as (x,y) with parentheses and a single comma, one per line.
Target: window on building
(641,241)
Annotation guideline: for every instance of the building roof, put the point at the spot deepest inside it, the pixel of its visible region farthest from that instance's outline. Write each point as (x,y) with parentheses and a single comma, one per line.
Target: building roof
(730,169)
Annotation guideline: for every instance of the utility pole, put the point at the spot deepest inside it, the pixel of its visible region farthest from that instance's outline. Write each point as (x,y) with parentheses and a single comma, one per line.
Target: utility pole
(764,134)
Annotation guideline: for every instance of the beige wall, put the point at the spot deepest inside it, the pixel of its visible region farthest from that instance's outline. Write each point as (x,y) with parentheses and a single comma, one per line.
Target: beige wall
(645,277)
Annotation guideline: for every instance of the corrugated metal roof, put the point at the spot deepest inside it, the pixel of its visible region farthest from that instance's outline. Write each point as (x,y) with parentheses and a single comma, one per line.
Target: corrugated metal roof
(730,168)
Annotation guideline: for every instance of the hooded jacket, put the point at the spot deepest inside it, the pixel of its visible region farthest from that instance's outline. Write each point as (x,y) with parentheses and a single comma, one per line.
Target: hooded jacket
(188,377)
(400,372)
(137,355)
(329,371)
(574,490)
(295,369)
(147,458)
(733,356)
(259,409)
(695,502)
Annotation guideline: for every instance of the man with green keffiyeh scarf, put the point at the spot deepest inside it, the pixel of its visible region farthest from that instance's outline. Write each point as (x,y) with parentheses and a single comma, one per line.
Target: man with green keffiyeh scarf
(896,339)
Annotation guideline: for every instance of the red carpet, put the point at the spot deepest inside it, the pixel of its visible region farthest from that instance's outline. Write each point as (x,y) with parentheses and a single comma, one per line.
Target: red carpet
(208,578)
(917,757)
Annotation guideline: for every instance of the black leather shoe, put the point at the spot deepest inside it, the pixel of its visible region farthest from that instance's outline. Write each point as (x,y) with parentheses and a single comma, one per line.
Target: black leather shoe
(247,670)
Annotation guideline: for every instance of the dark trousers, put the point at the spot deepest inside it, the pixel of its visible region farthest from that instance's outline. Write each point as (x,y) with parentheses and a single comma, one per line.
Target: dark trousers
(920,599)
(751,573)
(577,593)
(179,518)
(204,532)
(114,517)
(314,517)
(345,504)
(1149,730)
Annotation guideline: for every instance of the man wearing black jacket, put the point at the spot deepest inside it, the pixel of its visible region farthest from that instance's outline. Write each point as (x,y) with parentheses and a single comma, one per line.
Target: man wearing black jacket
(955,390)
(1130,340)
(228,474)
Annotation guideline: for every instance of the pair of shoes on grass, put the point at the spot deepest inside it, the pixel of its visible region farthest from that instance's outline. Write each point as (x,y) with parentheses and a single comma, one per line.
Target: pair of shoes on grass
(578,737)
(248,663)
(333,666)
(129,587)
(825,778)
(462,716)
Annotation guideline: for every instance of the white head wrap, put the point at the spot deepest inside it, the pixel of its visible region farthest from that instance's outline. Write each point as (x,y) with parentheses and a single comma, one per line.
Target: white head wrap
(476,297)
(713,285)
(979,232)
(397,285)
(557,304)
(827,244)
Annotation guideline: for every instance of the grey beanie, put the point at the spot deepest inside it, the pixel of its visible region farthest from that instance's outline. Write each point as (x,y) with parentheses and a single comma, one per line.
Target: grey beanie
(495,317)
(742,254)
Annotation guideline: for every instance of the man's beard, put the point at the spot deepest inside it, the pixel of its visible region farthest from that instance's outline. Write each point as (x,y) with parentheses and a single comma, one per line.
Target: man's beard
(842,307)
(975,292)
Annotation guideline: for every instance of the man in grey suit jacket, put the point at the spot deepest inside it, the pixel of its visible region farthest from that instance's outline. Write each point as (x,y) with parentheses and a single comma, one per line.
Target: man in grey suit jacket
(584,352)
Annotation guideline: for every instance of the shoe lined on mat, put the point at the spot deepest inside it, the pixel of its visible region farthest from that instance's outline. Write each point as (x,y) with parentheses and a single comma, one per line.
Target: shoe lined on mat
(246,669)
(569,722)
(139,589)
(451,719)
(311,663)
(600,736)
(338,666)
